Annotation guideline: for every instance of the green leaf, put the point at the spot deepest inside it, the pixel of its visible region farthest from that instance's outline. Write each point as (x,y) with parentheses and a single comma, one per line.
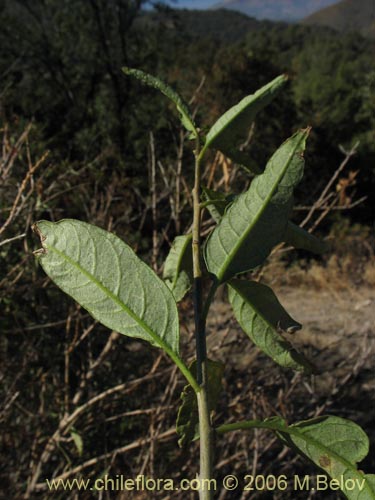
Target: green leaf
(215,370)
(335,445)
(78,441)
(178,267)
(294,235)
(235,122)
(263,318)
(216,202)
(332,443)
(257,220)
(147,79)
(299,238)
(105,276)
(187,417)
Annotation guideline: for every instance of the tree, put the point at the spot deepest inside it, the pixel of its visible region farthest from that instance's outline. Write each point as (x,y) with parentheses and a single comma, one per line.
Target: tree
(61,63)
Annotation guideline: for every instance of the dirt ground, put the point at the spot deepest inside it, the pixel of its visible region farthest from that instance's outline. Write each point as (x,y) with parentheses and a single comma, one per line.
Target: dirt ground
(338,324)
(338,336)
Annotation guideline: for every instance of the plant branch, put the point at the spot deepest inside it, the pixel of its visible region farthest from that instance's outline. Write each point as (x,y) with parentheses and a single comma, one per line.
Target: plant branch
(205,427)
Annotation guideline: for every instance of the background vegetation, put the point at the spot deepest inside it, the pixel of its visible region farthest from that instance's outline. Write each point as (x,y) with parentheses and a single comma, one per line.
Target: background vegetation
(79,140)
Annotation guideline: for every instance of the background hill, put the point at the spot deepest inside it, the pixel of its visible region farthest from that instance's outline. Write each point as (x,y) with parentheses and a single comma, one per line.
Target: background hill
(219,24)
(348,15)
(288,10)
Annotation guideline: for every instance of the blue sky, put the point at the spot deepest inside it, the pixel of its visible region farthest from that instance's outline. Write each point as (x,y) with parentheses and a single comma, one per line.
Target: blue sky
(204,4)
(193,4)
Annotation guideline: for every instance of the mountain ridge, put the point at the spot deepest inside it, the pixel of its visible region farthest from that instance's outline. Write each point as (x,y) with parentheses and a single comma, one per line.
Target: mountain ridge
(274,10)
(345,16)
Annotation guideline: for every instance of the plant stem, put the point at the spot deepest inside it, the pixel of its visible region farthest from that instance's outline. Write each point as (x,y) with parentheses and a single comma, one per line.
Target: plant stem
(206,442)
(205,427)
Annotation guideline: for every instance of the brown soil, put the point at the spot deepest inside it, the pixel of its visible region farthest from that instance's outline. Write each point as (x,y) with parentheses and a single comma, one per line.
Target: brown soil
(338,336)
(338,324)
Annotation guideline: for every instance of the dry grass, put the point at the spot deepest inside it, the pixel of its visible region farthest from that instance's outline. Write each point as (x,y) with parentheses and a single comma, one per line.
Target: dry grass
(62,372)
(369,273)
(350,263)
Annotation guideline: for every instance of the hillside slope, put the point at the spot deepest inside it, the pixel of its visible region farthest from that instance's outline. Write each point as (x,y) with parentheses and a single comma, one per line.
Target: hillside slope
(224,25)
(347,15)
(287,10)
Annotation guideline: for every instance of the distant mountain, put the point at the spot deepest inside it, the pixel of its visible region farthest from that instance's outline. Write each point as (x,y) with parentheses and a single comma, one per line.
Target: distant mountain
(276,10)
(220,24)
(347,15)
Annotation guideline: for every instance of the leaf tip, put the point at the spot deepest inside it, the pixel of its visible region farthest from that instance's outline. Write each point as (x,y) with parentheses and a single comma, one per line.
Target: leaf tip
(289,328)
(36,229)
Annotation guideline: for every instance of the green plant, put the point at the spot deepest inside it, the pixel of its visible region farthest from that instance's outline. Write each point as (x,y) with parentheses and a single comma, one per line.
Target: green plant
(104,276)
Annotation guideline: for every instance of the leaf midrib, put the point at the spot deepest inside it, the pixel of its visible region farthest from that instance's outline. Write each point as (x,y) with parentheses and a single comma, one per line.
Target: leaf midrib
(296,365)
(351,466)
(222,125)
(156,83)
(246,300)
(255,309)
(240,241)
(273,426)
(111,295)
